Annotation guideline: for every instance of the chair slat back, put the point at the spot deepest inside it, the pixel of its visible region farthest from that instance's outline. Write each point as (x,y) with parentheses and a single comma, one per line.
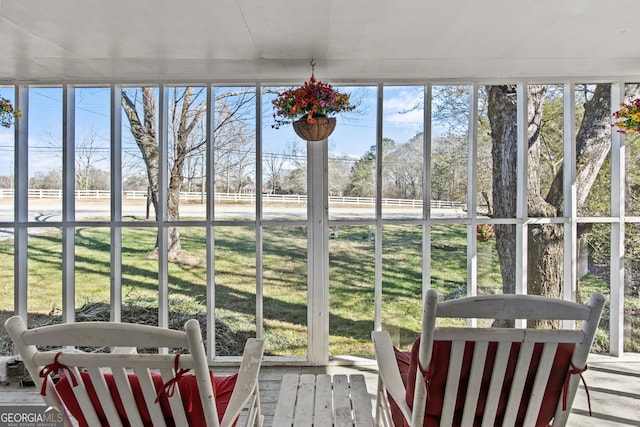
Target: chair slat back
(94,367)
(534,352)
(128,400)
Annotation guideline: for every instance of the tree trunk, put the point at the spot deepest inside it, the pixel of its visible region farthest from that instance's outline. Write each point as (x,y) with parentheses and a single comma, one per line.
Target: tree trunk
(502,118)
(545,244)
(145,135)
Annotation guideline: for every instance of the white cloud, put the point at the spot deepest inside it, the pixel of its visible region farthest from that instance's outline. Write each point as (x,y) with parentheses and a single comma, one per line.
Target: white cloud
(399,108)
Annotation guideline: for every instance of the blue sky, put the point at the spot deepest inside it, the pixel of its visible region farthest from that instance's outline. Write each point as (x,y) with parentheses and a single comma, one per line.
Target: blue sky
(353,136)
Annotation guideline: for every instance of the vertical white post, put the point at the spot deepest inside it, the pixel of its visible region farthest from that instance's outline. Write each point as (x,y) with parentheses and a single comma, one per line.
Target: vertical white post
(318,252)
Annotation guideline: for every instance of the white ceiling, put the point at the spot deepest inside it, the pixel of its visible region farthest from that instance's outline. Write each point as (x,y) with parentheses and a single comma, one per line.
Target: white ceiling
(351,40)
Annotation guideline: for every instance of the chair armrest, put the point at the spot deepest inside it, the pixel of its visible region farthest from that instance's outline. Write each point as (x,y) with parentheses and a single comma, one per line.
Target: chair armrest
(247,382)
(388,370)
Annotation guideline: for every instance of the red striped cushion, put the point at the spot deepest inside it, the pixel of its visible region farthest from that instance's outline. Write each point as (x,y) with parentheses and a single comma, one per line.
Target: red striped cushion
(222,386)
(441,353)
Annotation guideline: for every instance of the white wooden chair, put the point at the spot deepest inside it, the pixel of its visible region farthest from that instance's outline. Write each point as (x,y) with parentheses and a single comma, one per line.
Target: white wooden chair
(126,388)
(486,376)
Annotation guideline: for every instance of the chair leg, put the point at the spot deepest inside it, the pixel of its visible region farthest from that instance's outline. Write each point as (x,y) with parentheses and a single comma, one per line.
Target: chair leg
(259,416)
(254,414)
(383,410)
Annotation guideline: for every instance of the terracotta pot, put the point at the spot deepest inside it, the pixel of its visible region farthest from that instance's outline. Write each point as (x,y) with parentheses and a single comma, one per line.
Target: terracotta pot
(317,131)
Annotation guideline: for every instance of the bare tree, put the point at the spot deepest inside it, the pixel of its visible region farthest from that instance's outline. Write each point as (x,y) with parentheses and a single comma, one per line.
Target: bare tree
(273,164)
(339,168)
(234,152)
(185,114)
(87,157)
(402,169)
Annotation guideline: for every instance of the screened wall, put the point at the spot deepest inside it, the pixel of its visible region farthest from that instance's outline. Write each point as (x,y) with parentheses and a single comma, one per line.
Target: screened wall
(158,203)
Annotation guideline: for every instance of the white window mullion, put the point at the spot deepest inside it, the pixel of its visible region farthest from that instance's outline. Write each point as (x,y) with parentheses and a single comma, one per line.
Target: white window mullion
(618,188)
(570,214)
(21,198)
(259,216)
(163,230)
(377,324)
(116,203)
(472,198)
(68,204)
(210,229)
(259,239)
(522,195)
(426,191)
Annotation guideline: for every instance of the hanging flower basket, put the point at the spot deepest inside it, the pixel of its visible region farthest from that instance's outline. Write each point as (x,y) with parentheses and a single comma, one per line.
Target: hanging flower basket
(628,117)
(319,130)
(309,108)
(8,114)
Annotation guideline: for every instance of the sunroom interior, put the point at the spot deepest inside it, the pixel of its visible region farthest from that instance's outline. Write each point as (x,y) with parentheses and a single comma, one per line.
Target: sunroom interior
(312,245)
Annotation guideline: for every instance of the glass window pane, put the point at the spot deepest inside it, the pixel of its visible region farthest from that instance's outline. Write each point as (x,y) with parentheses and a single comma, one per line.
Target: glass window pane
(139,197)
(93,273)
(449,147)
(284,166)
(594,268)
(489,277)
(235,153)
(6,291)
(139,275)
(632,289)
(402,151)
(92,154)
(45,154)
(187,152)
(285,290)
(235,288)
(594,191)
(449,260)
(352,158)
(187,280)
(7,179)
(351,281)
(44,289)
(632,178)
(7,172)
(497,137)
(402,283)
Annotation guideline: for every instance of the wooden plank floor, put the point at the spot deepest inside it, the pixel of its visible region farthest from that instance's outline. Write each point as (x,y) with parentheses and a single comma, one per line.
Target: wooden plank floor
(614,386)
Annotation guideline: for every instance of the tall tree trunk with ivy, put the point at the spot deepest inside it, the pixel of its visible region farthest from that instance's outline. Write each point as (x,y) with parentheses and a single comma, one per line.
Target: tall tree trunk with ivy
(545,241)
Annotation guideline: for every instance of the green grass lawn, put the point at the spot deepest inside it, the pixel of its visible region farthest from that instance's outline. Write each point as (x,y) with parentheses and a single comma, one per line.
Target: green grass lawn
(284,287)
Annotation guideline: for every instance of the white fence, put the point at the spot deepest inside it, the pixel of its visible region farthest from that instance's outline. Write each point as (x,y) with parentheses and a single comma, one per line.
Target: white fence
(236,198)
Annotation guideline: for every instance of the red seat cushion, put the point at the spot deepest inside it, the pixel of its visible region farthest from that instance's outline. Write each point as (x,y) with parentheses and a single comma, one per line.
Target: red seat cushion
(403,359)
(440,356)
(222,385)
